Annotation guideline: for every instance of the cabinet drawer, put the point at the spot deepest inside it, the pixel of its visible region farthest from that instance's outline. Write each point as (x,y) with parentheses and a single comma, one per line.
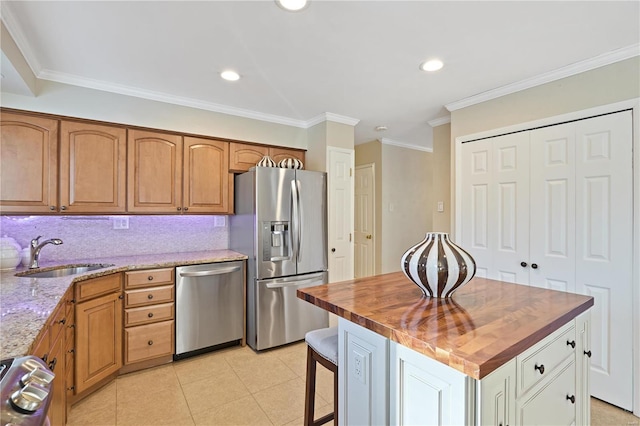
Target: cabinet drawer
(148,341)
(148,296)
(550,404)
(148,314)
(539,361)
(89,289)
(148,277)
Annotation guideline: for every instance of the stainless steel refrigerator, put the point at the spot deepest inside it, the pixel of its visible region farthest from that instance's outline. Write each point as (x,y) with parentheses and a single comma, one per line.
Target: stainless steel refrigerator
(280,223)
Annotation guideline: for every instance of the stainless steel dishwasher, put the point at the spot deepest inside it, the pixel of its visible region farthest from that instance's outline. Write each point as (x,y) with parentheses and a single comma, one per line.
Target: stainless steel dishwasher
(209,306)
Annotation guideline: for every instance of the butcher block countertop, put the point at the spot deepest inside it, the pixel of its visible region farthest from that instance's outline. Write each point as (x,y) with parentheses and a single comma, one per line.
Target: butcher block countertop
(485,324)
(26,303)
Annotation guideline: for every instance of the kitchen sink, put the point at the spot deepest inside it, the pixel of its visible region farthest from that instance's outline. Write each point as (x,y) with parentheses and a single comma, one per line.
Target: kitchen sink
(63,271)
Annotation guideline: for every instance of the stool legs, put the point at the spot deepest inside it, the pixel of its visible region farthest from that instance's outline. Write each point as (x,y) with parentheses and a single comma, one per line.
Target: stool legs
(310,389)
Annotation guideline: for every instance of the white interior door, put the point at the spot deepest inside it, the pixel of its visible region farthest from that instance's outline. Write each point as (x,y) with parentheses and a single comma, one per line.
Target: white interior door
(340,201)
(553,208)
(364,237)
(604,237)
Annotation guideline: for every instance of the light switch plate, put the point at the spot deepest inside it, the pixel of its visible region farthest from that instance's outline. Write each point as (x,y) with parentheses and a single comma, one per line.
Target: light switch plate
(121,222)
(440,206)
(219,221)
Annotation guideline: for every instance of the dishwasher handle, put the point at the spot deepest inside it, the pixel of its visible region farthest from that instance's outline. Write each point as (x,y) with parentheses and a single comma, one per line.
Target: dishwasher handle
(209,272)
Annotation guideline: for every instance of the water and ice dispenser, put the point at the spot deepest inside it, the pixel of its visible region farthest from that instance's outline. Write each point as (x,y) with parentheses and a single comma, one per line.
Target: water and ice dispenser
(276,241)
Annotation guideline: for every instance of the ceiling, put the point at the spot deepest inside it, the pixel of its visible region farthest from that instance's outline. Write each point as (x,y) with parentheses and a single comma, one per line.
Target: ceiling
(352,59)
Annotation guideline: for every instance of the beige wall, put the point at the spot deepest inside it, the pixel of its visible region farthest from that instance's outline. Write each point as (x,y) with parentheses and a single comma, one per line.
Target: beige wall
(13,55)
(316,156)
(441,175)
(371,153)
(74,101)
(403,210)
(601,86)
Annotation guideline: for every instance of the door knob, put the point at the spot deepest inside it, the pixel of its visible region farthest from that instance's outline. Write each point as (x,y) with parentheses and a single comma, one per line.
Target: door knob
(369,237)
(333,250)
(523,264)
(534,265)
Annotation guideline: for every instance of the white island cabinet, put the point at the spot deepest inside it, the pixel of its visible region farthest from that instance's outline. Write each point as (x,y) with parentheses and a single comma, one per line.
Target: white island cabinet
(384,382)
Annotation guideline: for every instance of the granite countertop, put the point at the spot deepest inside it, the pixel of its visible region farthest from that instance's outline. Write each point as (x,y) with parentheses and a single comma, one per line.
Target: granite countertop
(484,325)
(26,303)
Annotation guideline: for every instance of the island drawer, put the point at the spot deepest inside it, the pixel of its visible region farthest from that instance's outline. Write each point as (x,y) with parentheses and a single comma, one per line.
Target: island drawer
(148,314)
(148,341)
(539,361)
(148,296)
(148,277)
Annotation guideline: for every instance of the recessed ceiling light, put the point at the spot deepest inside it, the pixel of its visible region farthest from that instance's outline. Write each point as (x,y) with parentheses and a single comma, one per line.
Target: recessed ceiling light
(431,65)
(230,75)
(380,128)
(292,5)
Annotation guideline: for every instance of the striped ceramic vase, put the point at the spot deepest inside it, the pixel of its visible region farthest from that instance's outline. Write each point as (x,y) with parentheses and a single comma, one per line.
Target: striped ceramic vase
(290,163)
(266,161)
(437,265)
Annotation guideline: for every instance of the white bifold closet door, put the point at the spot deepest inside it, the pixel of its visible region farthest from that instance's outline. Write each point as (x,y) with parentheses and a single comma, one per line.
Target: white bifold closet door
(552,207)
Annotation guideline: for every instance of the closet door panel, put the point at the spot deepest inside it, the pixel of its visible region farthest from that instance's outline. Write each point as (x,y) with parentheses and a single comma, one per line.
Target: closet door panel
(475,204)
(510,218)
(604,221)
(552,185)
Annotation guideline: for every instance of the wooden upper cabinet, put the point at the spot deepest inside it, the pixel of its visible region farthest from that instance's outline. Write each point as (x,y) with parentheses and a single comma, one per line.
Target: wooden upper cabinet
(206,176)
(154,173)
(28,164)
(279,154)
(243,156)
(92,168)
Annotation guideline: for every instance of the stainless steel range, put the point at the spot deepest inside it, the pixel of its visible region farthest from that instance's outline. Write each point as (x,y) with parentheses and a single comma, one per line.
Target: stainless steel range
(25,388)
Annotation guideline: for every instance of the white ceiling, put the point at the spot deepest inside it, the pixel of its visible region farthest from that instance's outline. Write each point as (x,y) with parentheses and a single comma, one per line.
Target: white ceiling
(357,59)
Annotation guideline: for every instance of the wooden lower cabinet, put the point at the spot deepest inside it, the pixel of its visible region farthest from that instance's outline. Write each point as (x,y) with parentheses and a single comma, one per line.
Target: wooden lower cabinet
(52,348)
(98,334)
(149,311)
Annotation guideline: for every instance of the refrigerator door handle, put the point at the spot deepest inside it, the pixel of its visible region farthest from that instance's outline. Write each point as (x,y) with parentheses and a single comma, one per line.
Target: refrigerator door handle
(295,218)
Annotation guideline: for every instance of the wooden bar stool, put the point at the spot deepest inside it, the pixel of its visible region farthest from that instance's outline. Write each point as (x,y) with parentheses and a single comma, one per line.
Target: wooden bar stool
(322,347)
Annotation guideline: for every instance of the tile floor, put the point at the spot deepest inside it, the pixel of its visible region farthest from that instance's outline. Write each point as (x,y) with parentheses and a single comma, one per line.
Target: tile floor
(233,386)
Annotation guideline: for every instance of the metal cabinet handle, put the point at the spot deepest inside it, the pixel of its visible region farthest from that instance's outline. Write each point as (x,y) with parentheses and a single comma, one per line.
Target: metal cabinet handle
(63,321)
(150,315)
(369,237)
(186,209)
(333,250)
(588,353)
(534,266)
(150,296)
(52,364)
(571,398)
(150,342)
(571,343)
(63,207)
(540,368)
(71,350)
(52,208)
(150,277)
(121,296)
(523,264)
(179,208)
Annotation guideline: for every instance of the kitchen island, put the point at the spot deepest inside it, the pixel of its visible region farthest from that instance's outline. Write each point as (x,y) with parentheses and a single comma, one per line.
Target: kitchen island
(496,353)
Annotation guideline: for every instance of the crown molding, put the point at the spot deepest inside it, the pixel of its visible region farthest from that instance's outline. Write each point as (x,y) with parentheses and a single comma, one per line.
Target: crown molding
(166,98)
(386,141)
(567,71)
(439,121)
(329,116)
(19,38)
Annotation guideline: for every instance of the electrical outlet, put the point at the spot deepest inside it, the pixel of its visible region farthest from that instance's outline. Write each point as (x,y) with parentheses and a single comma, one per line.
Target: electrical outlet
(440,206)
(359,367)
(121,222)
(219,221)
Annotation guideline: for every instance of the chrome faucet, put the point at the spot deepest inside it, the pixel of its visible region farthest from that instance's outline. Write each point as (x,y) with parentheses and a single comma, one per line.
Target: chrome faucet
(35,249)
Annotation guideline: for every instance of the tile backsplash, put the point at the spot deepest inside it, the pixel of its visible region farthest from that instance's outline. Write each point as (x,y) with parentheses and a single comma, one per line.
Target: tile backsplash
(93,237)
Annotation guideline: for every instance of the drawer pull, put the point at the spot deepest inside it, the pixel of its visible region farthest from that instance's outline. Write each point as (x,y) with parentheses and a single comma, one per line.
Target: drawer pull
(588,353)
(150,315)
(523,264)
(150,342)
(540,368)
(72,326)
(45,357)
(150,277)
(63,321)
(121,296)
(571,343)
(71,351)
(52,364)
(70,388)
(571,398)
(150,296)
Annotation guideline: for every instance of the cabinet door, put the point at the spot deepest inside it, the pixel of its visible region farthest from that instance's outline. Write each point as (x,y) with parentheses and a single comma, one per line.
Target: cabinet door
(206,176)
(583,368)
(98,340)
(154,172)
(58,407)
(498,396)
(279,154)
(243,156)
(28,164)
(92,168)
